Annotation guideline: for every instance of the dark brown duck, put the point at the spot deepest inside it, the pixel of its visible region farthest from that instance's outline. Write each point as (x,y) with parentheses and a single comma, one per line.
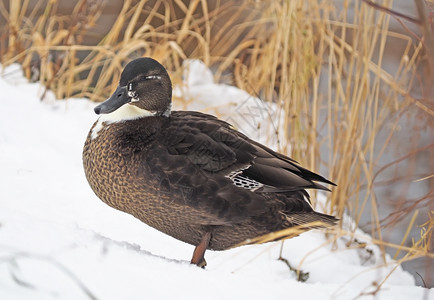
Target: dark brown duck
(188,174)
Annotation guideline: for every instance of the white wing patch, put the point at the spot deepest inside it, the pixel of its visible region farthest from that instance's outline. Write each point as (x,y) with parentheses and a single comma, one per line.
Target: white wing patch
(239,180)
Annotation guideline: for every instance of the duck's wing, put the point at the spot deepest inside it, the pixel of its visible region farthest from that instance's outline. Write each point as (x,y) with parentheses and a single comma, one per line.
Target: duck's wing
(220,171)
(217,147)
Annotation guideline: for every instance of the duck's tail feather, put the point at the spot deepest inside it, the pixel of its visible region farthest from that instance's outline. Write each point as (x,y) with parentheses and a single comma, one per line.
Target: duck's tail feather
(311,220)
(297,223)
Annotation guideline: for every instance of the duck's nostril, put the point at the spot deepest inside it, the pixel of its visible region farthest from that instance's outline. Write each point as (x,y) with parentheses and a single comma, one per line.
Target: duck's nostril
(120,95)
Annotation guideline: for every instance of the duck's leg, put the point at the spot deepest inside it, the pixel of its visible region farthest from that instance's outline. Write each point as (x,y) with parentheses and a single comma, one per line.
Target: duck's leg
(199,252)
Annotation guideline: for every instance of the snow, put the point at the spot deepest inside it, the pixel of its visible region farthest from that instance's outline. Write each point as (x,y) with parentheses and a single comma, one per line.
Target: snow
(59,241)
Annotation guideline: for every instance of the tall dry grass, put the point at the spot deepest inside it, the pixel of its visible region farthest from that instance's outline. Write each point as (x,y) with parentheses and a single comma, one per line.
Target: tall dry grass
(322,63)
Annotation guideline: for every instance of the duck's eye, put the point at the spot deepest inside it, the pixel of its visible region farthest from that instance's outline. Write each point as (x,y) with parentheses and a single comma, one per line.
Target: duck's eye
(149,77)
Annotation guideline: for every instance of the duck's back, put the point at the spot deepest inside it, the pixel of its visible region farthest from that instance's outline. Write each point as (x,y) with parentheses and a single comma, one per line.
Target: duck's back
(191,173)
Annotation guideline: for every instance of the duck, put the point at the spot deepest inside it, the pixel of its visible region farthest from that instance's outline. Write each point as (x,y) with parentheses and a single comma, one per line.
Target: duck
(189,174)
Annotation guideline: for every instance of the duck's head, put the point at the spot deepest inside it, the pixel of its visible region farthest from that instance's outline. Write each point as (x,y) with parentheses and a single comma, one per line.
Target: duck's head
(144,89)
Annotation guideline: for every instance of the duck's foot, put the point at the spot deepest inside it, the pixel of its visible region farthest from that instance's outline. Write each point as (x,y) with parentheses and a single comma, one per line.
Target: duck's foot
(198,258)
(300,275)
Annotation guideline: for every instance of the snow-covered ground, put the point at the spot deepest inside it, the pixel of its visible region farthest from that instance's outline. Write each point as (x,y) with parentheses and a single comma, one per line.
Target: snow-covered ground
(58,240)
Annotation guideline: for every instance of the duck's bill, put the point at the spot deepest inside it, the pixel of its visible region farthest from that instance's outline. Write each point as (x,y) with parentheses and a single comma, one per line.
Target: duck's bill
(116,100)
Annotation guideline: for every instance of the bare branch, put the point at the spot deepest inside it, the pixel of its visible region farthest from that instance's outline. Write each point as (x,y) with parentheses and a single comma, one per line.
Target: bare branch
(392,12)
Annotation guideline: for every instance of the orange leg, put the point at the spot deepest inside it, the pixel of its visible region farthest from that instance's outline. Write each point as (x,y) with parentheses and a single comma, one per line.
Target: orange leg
(199,252)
